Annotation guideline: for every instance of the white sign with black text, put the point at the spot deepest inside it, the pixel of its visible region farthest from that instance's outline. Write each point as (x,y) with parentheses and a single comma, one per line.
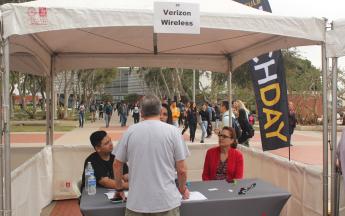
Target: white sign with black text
(176,18)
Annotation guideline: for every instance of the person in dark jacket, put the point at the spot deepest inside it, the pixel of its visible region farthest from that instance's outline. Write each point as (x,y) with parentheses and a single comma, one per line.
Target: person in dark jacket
(292,118)
(185,121)
(192,121)
(205,119)
(243,121)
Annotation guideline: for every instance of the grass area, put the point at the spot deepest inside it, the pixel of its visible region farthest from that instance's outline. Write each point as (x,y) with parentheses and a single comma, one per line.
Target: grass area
(39,128)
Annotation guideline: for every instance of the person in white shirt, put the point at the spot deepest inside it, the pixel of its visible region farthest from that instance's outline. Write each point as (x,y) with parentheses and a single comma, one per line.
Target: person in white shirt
(154,151)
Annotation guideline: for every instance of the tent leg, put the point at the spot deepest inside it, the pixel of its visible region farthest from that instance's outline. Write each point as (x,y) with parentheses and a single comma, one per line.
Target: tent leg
(230,92)
(325,130)
(194,85)
(337,196)
(334,136)
(6,129)
(48,110)
(1,143)
(51,104)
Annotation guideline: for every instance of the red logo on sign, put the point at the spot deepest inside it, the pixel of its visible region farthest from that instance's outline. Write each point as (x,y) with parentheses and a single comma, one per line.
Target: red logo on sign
(31,11)
(42,11)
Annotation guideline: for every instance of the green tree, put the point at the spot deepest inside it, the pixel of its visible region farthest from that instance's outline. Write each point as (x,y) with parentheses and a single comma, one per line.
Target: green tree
(91,81)
(132,98)
(169,82)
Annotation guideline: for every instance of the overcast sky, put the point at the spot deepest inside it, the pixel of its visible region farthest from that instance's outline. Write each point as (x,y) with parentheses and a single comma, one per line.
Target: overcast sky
(331,9)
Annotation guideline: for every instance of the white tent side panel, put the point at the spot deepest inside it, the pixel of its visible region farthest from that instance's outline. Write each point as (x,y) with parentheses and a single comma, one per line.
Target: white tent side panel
(335,39)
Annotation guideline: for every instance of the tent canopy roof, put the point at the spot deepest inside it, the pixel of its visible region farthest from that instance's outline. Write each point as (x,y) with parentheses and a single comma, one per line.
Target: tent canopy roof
(83,34)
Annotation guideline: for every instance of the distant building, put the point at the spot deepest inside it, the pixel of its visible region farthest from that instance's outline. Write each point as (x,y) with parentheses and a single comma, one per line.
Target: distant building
(128,81)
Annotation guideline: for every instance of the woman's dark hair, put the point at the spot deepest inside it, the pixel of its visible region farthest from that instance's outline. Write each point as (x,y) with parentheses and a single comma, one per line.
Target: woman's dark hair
(169,120)
(225,104)
(232,134)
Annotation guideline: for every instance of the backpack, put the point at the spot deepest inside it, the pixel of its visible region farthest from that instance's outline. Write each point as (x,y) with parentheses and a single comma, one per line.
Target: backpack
(251,131)
(93,108)
(237,127)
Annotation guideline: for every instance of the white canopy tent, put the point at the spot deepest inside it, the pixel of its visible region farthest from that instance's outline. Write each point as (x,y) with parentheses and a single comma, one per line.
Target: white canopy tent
(46,36)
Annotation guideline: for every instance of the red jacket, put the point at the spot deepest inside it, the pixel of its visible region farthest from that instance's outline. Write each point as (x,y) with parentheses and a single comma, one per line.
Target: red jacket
(235,164)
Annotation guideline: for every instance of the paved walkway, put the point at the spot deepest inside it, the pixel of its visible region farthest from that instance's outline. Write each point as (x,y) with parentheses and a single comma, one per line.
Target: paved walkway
(307,145)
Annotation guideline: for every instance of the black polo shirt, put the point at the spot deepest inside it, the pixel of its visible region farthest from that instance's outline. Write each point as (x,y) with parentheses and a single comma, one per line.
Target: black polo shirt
(101,167)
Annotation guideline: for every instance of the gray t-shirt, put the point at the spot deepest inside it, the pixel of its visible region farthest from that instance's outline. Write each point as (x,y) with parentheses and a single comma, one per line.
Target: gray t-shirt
(152,149)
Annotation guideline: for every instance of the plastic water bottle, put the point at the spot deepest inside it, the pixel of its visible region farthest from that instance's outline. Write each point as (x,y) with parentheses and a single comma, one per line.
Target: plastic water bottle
(92,185)
(88,171)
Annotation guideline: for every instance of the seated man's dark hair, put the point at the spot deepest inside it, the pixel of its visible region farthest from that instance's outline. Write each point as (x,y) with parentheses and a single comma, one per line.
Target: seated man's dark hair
(96,137)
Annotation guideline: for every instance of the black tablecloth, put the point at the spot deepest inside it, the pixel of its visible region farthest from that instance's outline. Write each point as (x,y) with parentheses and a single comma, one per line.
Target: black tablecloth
(263,199)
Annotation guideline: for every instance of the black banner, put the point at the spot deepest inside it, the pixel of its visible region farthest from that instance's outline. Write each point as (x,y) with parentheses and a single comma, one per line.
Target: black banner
(268,75)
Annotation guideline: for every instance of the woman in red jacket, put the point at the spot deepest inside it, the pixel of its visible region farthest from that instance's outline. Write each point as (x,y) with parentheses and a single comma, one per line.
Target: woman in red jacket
(224,161)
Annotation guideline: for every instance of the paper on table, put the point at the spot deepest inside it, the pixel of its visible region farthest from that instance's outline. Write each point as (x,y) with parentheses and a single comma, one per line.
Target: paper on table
(212,189)
(195,195)
(111,194)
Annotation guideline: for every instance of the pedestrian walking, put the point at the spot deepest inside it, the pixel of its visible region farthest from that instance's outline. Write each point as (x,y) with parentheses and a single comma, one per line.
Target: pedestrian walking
(136,114)
(243,120)
(93,111)
(81,114)
(175,113)
(108,109)
(205,122)
(123,114)
(100,110)
(192,121)
(185,121)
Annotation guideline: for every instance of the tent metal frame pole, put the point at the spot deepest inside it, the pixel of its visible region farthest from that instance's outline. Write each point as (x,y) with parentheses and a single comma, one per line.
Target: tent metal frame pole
(194,85)
(325,130)
(48,102)
(333,146)
(6,129)
(51,102)
(230,91)
(1,143)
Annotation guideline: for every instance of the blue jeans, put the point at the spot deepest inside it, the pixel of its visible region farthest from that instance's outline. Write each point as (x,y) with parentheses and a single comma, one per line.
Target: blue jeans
(81,119)
(204,125)
(123,119)
(107,119)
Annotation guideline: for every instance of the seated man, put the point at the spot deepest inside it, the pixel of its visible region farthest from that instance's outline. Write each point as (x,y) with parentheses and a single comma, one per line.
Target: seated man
(102,161)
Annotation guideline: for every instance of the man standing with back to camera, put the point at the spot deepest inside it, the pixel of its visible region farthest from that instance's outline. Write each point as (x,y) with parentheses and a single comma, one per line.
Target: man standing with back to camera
(154,150)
